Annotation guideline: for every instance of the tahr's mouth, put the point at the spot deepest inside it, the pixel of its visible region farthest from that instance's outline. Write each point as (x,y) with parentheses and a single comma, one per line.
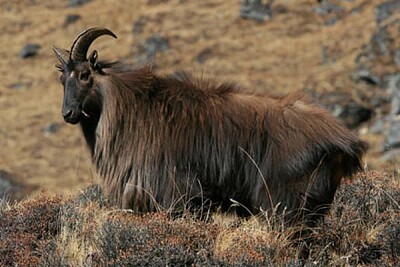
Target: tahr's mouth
(73,116)
(77,116)
(73,119)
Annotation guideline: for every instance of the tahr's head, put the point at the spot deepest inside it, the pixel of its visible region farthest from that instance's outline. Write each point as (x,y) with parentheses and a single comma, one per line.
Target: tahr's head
(78,76)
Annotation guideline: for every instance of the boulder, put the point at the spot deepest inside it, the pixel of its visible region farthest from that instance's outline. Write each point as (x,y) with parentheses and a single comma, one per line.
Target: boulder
(29,50)
(70,19)
(256,10)
(74,3)
(386,9)
(154,44)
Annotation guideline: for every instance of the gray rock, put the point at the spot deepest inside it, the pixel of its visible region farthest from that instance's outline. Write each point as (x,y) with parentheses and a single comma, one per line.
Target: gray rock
(331,21)
(357,9)
(377,127)
(204,55)
(17,86)
(392,139)
(397,57)
(365,56)
(70,19)
(51,128)
(156,2)
(138,25)
(391,155)
(327,57)
(394,88)
(353,114)
(74,3)
(256,10)
(395,105)
(386,9)
(367,77)
(324,53)
(29,50)
(147,51)
(326,8)
(332,12)
(155,44)
(380,100)
(381,42)
(22,84)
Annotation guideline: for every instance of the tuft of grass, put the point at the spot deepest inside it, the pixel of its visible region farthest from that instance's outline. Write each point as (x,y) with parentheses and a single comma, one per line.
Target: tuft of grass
(363,228)
(79,220)
(357,229)
(156,239)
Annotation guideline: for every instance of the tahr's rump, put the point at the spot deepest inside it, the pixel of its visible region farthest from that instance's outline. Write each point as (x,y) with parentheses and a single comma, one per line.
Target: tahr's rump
(169,142)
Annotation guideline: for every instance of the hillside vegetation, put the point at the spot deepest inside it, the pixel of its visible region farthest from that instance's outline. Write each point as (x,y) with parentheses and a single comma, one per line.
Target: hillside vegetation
(363,228)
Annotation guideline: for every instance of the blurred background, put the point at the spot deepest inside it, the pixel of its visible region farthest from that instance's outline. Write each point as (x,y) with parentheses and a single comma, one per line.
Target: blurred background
(343,53)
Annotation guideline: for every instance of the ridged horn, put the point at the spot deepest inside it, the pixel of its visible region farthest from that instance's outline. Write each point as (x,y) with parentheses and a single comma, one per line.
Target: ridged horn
(62,54)
(84,40)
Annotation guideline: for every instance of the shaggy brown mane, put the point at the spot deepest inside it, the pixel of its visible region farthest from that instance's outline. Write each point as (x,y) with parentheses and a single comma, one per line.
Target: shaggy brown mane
(159,137)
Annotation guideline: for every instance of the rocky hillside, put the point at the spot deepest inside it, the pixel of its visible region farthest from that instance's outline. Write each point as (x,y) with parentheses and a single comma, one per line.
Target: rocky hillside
(346,54)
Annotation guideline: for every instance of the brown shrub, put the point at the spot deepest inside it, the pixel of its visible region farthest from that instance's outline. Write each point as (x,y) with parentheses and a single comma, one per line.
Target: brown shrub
(27,231)
(155,240)
(363,228)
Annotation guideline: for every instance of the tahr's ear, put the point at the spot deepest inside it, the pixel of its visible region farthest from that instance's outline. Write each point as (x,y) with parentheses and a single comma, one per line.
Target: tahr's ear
(93,59)
(62,55)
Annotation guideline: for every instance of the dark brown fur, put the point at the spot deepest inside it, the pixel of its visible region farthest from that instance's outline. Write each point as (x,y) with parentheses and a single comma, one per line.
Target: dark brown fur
(165,142)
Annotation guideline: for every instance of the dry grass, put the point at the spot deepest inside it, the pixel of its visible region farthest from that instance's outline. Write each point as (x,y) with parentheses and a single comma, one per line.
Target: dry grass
(363,228)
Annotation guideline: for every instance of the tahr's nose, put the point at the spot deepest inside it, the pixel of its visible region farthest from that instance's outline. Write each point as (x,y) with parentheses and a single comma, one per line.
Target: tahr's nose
(68,114)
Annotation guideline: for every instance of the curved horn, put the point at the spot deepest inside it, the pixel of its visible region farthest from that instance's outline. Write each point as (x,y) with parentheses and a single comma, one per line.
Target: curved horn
(62,54)
(84,40)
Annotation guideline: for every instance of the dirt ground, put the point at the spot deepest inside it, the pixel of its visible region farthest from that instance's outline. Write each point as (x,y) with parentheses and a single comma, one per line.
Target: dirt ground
(280,55)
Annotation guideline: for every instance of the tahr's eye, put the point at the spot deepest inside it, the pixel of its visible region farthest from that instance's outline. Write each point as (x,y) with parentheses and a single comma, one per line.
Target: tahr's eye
(84,75)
